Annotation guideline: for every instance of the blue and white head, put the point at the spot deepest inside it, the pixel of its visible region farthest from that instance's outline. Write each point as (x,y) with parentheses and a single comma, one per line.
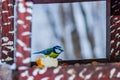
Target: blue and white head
(58,49)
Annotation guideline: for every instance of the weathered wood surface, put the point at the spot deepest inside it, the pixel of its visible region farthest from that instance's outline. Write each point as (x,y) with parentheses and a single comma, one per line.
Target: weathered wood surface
(115,37)
(23,41)
(22,54)
(115,30)
(78,72)
(7,32)
(82,72)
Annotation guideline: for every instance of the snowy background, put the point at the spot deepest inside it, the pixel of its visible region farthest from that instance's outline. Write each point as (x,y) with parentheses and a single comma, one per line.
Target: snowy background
(80,28)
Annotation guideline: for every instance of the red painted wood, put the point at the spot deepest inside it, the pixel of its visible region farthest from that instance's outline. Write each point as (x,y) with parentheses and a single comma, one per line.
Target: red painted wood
(82,72)
(115,37)
(115,7)
(114,10)
(79,72)
(23,42)
(115,30)
(61,1)
(7,32)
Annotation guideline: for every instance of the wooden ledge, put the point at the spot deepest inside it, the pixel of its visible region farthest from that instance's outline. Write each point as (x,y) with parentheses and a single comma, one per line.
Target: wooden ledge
(109,71)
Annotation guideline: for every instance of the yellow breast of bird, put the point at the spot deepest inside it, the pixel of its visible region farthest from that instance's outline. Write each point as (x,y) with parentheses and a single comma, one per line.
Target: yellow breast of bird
(54,55)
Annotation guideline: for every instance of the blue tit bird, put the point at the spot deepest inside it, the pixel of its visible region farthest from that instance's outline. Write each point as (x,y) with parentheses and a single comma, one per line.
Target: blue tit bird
(51,52)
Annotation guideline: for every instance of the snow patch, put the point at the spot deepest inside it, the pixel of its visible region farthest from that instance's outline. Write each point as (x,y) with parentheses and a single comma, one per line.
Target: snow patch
(35,72)
(10,4)
(26,33)
(112,72)
(59,77)
(30,78)
(21,43)
(3,0)
(10,17)
(11,32)
(70,71)
(118,75)
(100,75)
(21,8)
(5,39)
(42,71)
(5,11)
(29,4)
(5,52)
(25,73)
(27,60)
(72,77)
(118,43)
(81,73)
(18,54)
(55,71)
(22,68)
(29,18)
(20,21)
(29,10)
(8,43)
(45,78)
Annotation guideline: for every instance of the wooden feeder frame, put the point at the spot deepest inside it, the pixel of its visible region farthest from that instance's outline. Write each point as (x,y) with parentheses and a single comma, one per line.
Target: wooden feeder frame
(110,65)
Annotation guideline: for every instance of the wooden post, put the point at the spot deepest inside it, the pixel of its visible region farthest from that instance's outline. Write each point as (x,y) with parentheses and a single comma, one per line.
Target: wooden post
(78,72)
(7,32)
(115,30)
(23,42)
(81,72)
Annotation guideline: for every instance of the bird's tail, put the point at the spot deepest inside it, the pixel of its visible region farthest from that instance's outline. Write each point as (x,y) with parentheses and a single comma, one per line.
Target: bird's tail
(36,52)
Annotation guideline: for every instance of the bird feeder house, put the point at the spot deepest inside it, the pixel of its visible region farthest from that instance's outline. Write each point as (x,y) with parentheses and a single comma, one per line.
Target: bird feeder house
(15,46)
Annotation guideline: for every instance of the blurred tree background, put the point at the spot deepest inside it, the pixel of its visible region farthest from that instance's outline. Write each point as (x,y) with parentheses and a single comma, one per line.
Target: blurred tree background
(80,28)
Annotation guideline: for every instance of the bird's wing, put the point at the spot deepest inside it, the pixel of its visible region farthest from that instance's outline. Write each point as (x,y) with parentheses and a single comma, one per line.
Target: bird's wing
(36,53)
(46,52)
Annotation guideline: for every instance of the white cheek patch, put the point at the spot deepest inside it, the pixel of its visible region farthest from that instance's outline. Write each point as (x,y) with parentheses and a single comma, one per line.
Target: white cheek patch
(57,50)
